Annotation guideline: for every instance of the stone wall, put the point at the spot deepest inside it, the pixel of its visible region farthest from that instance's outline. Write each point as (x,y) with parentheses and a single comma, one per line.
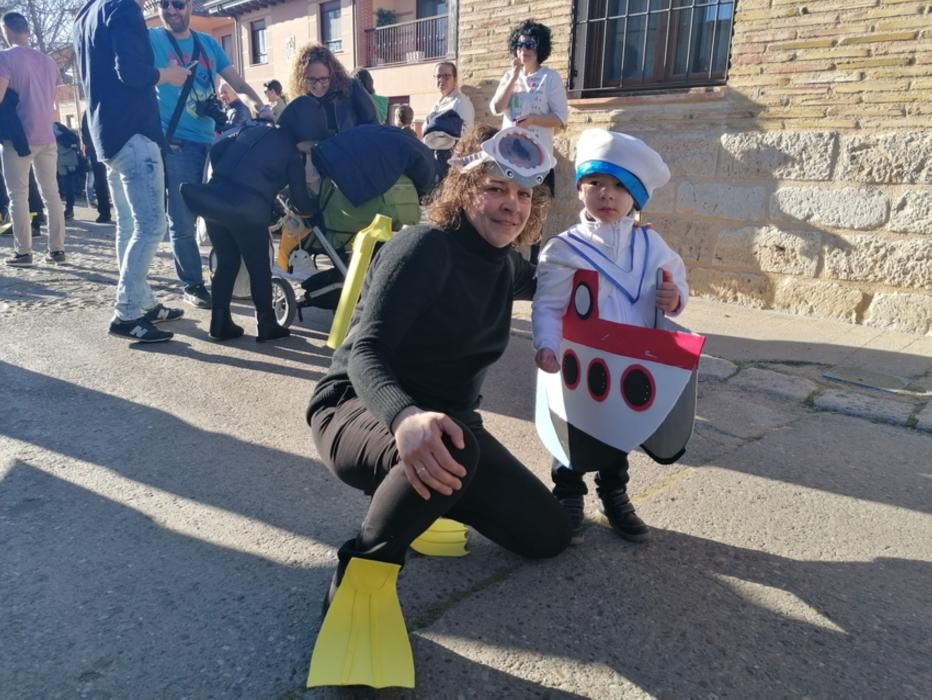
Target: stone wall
(805,184)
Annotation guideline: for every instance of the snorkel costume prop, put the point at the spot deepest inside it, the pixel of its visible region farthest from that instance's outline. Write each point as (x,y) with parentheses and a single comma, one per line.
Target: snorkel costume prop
(516,154)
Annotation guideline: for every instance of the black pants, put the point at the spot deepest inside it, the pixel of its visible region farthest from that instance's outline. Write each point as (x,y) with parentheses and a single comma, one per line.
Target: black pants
(101,190)
(66,190)
(590,455)
(500,498)
(442,157)
(251,245)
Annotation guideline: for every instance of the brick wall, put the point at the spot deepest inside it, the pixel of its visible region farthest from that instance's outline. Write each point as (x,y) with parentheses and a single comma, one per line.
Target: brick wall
(805,184)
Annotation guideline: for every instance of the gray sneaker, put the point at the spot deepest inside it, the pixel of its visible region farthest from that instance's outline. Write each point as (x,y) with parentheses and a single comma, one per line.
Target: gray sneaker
(19,260)
(198,296)
(55,256)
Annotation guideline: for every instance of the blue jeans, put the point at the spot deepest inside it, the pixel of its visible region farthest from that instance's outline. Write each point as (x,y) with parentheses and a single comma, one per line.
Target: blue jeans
(137,180)
(184,162)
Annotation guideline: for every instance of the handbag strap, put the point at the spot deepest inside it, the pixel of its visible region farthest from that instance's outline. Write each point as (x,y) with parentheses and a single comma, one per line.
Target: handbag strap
(188,84)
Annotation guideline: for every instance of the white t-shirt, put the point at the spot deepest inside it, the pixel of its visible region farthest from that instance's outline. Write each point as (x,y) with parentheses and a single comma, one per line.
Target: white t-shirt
(540,92)
(459,102)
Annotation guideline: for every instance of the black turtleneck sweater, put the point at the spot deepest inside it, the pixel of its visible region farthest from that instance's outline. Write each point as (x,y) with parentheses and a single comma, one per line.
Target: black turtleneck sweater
(434,314)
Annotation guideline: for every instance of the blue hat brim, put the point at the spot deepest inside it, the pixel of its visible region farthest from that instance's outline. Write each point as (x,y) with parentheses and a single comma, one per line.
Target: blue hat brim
(628,179)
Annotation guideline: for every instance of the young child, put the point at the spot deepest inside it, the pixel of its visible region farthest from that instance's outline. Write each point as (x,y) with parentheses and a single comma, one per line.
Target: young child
(615,175)
(404,116)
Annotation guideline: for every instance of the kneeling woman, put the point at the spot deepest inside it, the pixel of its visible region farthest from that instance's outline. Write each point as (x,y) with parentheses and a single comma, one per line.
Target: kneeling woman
(395,416)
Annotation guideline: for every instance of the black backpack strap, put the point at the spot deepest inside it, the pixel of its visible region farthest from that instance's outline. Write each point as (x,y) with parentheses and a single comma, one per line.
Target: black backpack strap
(188,84)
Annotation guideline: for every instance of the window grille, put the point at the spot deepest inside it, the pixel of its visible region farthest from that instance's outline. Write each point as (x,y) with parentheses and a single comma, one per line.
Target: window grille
(631,45)
(257,43)
(330,34)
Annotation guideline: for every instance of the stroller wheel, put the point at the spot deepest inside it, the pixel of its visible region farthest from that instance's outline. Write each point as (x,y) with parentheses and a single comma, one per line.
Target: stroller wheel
(284,301)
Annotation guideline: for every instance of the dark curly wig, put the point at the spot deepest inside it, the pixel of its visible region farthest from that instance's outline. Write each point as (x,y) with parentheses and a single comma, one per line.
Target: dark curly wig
(533,30)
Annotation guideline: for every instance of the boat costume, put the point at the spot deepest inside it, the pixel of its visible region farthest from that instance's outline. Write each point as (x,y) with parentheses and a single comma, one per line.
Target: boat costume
(595,299)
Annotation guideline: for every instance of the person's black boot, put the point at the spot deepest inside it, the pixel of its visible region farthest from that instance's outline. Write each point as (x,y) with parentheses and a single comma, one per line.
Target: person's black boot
(618,509)
(268,329)
(222,326)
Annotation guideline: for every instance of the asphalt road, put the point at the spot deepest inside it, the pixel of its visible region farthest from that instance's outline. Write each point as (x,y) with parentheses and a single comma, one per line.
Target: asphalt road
(166,531)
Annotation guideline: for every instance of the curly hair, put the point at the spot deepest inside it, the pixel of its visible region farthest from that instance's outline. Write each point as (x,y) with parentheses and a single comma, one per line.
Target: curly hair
(533,30)
(315,53)
(447,207)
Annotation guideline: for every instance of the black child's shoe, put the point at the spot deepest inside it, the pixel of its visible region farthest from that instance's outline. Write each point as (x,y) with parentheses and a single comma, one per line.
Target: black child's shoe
(573,507)
(618,509)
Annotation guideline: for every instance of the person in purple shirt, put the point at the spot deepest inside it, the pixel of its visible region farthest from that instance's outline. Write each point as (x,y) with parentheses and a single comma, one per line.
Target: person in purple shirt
(34,77)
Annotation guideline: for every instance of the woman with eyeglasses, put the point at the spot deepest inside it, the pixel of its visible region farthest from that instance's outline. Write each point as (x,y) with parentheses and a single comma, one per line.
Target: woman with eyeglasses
(341,101)
(531,95)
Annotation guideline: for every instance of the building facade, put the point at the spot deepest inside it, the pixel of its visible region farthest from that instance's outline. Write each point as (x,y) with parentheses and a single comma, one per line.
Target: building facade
(398,40)
(802,167)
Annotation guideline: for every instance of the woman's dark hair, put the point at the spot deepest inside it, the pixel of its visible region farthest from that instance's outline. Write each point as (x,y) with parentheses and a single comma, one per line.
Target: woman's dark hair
(533,30)
(365,77)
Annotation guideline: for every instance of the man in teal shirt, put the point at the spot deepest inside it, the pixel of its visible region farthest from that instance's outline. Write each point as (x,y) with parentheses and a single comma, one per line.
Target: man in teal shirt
(176,43)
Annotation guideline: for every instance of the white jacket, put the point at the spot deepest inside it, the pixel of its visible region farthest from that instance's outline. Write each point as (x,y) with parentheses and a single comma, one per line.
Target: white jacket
(637,254)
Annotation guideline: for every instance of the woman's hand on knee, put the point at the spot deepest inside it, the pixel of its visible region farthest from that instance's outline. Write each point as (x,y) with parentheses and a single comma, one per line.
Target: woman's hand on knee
(427,462)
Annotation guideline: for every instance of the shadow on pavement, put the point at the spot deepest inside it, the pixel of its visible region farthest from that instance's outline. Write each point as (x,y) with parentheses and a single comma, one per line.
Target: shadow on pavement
(685,616)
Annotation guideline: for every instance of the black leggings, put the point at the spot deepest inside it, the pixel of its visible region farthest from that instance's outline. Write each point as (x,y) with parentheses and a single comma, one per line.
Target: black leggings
(251,245)
(500,498)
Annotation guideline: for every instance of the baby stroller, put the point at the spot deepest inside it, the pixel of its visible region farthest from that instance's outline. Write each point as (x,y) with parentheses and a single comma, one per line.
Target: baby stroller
(314,250)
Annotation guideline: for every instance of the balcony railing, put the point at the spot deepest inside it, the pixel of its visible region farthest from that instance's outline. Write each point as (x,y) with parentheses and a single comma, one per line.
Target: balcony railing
(407,42)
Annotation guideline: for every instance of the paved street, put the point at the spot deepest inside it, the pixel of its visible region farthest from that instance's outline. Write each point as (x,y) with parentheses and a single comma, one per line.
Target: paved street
(166,530)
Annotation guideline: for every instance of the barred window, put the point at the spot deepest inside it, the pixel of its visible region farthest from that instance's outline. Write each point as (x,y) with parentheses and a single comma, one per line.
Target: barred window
(330,31)
(626,45)
(257,45)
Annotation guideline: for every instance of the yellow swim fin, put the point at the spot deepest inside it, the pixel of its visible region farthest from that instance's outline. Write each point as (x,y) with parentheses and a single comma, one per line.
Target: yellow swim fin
(380,230)
(444,538)
(363,640)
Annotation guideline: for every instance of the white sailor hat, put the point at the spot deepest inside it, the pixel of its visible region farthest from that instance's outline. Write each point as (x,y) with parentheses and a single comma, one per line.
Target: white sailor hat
(629,160)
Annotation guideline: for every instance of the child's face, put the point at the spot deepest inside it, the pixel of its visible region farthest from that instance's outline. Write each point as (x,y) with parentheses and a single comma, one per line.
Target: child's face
(604,198)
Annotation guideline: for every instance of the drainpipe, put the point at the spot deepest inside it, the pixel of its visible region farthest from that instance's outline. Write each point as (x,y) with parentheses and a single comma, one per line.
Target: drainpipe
(238,47)
(356,42)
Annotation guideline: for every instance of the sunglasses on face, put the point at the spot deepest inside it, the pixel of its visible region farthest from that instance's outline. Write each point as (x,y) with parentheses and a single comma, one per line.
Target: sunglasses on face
(317,81)
(177,4)
(529,44)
